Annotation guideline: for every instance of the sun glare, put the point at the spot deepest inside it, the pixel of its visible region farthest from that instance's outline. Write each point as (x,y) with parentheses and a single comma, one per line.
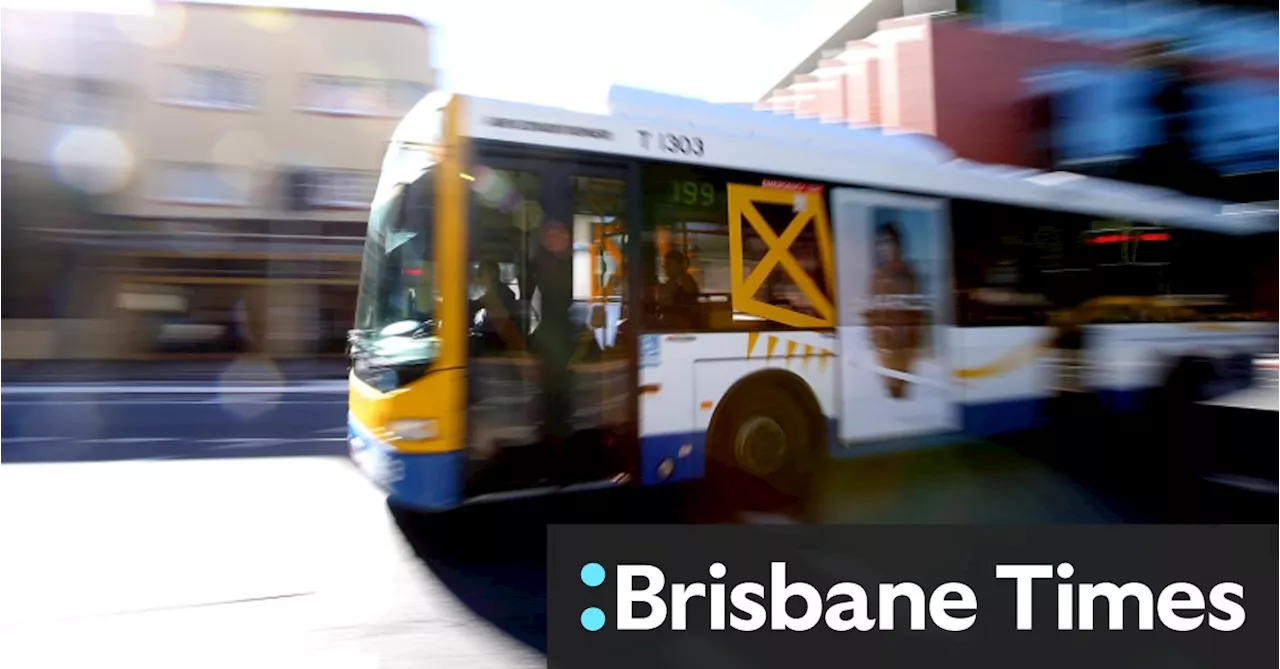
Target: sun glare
(142,7)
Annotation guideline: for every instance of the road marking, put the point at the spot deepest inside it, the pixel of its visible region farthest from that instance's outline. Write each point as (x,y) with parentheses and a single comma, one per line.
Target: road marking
(1245,483)
(1256,399)
(151,402)
(128,440)
(187,440)
(139,389)
(235,444)
(767,519)
(45,403)
(279,440)
(183,606)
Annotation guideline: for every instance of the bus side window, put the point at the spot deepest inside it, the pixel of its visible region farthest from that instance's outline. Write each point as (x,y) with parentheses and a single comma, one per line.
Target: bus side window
(599,263)
(505,217)
(1015,266)
(685,248)
(687,277)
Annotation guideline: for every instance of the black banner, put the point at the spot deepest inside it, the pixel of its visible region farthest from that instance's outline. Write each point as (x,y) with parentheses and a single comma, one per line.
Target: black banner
(919,596)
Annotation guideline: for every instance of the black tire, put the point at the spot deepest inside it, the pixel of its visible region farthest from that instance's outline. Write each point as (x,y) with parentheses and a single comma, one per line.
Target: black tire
(1174,420)
(764,444)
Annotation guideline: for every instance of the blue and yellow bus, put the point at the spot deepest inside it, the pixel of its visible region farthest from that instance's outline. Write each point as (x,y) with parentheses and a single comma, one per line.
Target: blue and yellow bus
(552,300)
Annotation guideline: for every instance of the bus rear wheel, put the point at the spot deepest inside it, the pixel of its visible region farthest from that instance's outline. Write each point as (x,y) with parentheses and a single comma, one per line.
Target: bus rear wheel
(763,442)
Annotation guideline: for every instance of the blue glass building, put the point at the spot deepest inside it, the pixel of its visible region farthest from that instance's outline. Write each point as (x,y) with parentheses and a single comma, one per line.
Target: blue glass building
(1243,30)
(1108,120)
(1103,114)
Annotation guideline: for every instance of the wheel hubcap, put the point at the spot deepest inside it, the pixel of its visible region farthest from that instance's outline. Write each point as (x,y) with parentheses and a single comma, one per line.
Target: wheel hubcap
(760,446)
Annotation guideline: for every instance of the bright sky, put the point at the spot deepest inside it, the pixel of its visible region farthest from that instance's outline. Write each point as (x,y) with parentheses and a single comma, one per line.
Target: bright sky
(568,52)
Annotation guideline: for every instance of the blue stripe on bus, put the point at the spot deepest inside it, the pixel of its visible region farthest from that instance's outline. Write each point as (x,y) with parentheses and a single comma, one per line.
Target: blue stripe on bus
(1128,401)
(424,481)
(991,419)
(979,421)
(1121,401)
(656,448)
(433,481)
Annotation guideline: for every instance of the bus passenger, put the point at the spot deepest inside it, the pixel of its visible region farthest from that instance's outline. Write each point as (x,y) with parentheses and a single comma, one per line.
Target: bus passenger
(498,303)
(678,297)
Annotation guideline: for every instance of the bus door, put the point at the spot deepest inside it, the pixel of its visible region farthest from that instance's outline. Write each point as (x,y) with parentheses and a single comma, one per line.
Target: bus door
(562,229)
(894,281)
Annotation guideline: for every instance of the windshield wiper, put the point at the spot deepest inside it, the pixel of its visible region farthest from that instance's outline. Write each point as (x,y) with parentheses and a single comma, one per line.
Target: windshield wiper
(359,342)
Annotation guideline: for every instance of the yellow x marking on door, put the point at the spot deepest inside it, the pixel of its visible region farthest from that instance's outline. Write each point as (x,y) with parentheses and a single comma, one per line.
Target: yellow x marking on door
(742,206)
(602,238)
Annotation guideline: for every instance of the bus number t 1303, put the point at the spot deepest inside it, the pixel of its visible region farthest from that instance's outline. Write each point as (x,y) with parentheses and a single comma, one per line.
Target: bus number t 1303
(668,143)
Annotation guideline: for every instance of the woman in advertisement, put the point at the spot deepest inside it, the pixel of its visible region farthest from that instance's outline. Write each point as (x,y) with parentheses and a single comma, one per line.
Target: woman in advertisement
(898,313)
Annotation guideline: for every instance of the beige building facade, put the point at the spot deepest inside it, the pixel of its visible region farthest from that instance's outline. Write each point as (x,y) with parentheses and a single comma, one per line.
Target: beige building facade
(226,156)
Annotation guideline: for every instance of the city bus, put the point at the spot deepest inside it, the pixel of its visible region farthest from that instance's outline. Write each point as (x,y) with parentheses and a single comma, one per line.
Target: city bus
(554,300)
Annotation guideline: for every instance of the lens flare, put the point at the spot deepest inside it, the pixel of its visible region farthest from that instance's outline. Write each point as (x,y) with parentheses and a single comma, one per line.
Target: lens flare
(93,160)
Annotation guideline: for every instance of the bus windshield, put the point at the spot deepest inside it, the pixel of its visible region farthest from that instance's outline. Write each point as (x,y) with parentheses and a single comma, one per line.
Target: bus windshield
(396,305)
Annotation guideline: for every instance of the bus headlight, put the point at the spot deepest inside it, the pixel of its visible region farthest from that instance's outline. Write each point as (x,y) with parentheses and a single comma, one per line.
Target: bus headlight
(416,429)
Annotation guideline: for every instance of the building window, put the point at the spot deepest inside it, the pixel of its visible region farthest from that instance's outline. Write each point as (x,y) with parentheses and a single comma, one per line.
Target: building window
(344,95)
(1209,29)
(201,183)
(21,92)
(403,95)
(211,88)
(341,188)
(1017,15)
(360,96)
(1235,127)
(1100,114)
(87,102)
(96,28)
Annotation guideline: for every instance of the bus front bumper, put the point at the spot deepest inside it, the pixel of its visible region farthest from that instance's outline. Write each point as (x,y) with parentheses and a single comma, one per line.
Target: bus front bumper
(424,481)
(432,482)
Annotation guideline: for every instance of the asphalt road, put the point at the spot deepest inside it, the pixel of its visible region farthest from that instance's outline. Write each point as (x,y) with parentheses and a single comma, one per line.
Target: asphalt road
(105,422)
(178,525)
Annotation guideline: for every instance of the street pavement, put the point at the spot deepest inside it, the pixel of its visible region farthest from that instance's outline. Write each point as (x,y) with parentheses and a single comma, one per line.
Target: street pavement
(164,523)
(197,369)
(80,422)
(271,562)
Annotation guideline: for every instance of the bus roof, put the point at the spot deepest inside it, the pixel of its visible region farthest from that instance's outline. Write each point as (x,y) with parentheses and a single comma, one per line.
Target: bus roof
(741,138)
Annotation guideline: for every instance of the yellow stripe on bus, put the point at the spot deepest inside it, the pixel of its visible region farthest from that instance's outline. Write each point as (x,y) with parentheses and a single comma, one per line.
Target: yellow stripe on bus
(441,394)
(809,350)
(1215,327)
(1009,362)
(375,410)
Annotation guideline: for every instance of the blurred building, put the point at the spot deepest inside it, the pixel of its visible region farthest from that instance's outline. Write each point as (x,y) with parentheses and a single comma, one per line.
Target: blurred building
(195,180)
(864,21)
(1175,93)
